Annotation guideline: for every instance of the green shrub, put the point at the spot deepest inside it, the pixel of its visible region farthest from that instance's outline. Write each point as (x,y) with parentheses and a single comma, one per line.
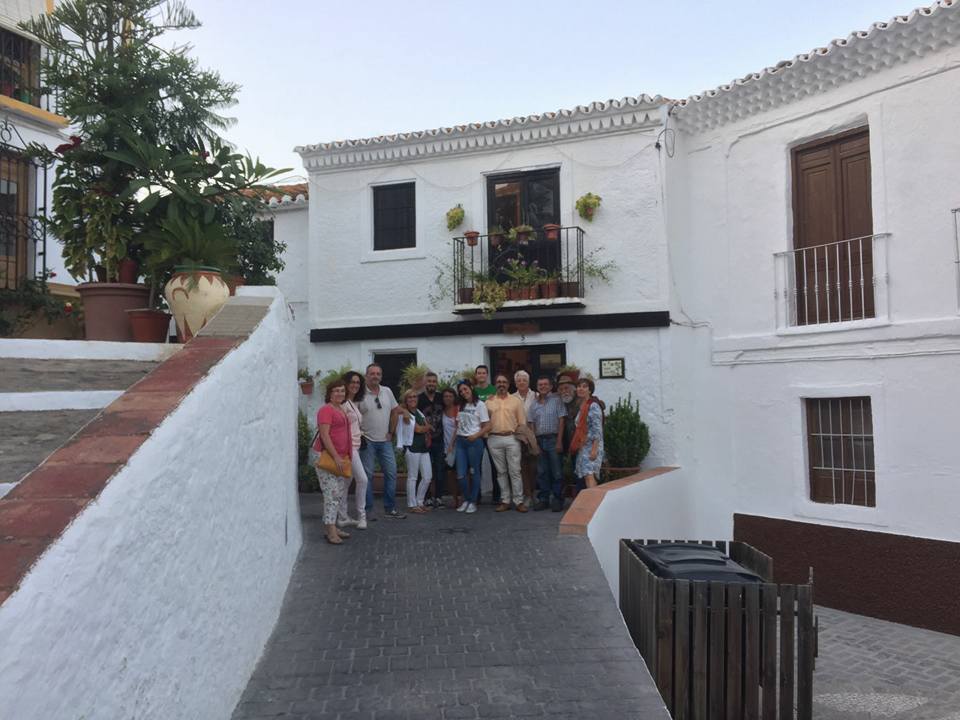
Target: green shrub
(306,477)
(626,438)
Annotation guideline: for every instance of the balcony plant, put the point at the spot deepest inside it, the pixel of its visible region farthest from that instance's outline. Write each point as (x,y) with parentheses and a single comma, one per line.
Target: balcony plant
(524,278)
(587,205)
(551,231)
(306,381)
(472,237)
(455,217)
(496,235)
(550,285)
(522,234)
(490,295)
(626,439)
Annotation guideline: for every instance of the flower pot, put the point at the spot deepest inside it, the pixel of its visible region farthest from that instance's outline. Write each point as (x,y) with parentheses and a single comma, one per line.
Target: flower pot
(104,309)
(195,296)
(306,387)
(523,237)
(495,240)
(514,293)
(551,231)
(147,325)
(531,292)
(6,88)
(235,281)
(128,271)
(569,289)
(588,213)
(473,237)
(549,289)
(466,296)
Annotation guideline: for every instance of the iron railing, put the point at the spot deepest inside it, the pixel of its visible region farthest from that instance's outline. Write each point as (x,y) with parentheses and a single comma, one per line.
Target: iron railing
(23,205)
(558,255)
(833,282)
(20,76)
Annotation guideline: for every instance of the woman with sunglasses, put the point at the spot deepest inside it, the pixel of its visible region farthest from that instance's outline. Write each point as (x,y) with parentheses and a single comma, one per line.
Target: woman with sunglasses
(473,423)
(354,384)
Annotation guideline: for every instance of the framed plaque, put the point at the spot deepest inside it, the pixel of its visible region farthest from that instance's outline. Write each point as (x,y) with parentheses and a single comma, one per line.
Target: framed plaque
(611,368)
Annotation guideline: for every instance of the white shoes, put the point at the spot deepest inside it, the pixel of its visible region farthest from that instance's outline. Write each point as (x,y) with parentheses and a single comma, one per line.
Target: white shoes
(464,506)
(348,522)
(362,523)
(471,508)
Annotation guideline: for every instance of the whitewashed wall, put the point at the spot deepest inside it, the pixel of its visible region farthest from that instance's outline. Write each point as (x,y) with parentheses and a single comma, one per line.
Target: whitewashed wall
(158,600)
(290,225)
(740,382)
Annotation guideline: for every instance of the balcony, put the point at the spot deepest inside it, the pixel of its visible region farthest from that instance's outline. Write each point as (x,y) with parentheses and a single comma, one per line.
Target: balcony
(499,272)
(832,284)
(20,71)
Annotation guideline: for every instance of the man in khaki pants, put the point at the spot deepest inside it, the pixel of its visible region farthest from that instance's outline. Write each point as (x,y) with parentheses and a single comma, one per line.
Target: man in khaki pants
(507,415)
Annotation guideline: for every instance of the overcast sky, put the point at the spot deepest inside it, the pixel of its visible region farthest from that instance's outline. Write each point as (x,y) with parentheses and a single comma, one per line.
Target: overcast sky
(314,71)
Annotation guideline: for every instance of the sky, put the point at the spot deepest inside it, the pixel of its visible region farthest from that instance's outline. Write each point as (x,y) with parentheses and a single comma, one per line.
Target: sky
(315,71)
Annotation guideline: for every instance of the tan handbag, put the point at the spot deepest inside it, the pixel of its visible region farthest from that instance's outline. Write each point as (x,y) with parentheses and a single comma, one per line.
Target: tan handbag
(326,462)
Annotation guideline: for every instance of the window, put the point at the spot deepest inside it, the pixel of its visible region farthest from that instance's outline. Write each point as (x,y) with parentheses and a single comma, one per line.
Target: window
(393,365)
(840,445)
(15,225)
(19,68)
(394,221)
(833,225)
(530,198)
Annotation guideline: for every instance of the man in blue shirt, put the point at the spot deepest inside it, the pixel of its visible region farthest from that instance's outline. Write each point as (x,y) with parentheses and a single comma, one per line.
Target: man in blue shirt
(547,417)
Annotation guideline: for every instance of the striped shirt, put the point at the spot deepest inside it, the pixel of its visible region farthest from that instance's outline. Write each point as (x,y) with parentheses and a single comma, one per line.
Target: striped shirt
(546,415)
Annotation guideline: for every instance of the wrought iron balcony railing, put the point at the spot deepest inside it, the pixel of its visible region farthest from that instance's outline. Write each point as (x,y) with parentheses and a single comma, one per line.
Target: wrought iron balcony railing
(831,283)
(544,268)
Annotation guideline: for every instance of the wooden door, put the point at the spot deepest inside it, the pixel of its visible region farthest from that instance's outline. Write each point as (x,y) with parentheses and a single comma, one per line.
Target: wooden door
(833,222)
(14,174)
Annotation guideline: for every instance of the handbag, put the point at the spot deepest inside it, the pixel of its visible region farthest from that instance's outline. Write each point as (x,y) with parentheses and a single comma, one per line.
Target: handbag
(525,435)
(325,462)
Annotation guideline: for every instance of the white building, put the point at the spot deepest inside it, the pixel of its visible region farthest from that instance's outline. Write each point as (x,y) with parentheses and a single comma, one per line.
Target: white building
(27,115)
(785,254)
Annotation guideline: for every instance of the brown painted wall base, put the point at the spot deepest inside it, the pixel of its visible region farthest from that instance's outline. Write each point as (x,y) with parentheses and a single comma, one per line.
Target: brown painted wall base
(900,578)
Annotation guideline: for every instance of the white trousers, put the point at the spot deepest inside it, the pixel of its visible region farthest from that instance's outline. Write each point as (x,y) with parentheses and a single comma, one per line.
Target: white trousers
(505,451)
(360,497)
(418,465)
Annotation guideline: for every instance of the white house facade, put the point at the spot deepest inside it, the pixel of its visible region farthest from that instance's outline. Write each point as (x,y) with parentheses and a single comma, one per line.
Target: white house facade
(785,291)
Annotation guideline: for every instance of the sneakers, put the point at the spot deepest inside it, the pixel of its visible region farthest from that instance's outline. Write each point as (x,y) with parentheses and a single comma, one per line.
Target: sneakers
(471,508)
(362,523)
(465,505)
(541,505)
(348,522)
(395,515)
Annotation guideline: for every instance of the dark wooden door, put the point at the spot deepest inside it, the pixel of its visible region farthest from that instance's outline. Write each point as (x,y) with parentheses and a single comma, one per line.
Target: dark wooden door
(393,365)
(833,222)
(535,359)
(530,198)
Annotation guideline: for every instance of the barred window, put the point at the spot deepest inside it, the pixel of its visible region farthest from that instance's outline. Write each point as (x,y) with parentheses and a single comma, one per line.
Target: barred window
(840,445)
(394,217)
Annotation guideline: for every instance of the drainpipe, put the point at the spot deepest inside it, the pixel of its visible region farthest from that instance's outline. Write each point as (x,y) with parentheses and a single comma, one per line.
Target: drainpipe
(956,251)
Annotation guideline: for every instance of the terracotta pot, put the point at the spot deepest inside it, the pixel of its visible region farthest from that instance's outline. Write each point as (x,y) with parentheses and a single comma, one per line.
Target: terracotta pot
(514,293)
(531,292)
(147,325)
(523,237)
(233,282)
(549,289)
(195,296)
(569,289)
(128,271)
(306,387)
(466,295)
(588,213)
(495,240)
(473,237)
(551,231)
(104,309)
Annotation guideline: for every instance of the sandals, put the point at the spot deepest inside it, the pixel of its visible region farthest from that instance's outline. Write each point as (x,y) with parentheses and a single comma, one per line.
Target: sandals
(343,533)
(338,541)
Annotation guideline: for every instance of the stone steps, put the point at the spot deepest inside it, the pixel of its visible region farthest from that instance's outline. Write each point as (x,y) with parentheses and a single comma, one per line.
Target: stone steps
(28,438)
(18,375)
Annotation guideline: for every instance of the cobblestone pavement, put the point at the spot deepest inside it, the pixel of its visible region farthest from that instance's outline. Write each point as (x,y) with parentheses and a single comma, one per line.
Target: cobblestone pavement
(18,375)
(870,668)
(27,438)
(449,616)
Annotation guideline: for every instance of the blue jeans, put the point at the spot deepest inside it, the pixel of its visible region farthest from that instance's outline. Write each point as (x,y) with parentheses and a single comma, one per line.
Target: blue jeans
(469,453)
(438,460)
(382,452)
(549,468)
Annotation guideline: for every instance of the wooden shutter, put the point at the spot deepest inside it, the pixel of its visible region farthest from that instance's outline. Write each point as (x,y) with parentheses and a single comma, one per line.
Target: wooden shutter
(831,204)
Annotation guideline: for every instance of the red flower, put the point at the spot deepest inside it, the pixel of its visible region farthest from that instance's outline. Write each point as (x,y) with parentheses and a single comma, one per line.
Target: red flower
(52,273)
(68,307)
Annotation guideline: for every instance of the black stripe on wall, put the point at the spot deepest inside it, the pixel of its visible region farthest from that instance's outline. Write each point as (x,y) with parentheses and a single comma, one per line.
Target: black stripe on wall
(610,321)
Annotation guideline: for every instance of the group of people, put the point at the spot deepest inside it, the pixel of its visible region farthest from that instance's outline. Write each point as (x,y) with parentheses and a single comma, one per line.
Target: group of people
(481,430)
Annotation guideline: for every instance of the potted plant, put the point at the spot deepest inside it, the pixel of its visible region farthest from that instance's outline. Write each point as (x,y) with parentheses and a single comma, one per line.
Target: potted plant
(570,370)
(455,217)
(151,323)
(306,381)
(522,234)
(490,295)
(587,205)
(549,285)
(626,439)
(496,235)
(551,231)
(595,268)
(524,279)
(473,237)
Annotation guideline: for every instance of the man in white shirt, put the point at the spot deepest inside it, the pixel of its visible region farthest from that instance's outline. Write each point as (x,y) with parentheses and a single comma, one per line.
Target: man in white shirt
(378,423)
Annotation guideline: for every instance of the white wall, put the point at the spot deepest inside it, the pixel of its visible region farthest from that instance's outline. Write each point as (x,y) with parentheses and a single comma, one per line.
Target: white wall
(290,225)
(741,382)
(157,601)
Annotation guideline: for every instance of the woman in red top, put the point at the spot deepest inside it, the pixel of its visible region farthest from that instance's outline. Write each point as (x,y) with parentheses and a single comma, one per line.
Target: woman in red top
(335,438)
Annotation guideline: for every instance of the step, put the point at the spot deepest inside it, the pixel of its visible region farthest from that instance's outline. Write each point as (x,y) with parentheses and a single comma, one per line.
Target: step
(21,375)
(28,438)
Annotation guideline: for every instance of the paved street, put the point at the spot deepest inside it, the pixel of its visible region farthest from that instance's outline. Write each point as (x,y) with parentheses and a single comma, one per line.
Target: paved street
(27,438)
(449,616)
(874,669)
(19,375)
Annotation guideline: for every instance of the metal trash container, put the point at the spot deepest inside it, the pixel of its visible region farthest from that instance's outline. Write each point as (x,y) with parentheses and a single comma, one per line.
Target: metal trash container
(692,561)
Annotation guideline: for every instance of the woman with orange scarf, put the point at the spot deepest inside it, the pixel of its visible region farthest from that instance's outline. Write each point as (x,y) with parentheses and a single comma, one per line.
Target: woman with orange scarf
(587,439)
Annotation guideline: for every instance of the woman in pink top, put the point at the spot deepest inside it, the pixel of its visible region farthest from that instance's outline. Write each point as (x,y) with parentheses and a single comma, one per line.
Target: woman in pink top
(354,382)
(334,429)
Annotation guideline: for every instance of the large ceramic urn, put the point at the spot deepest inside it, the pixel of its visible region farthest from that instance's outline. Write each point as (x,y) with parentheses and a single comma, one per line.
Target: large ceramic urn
(195,295)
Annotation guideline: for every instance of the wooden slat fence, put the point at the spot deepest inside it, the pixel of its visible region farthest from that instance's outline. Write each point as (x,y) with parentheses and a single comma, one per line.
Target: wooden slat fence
(718,650)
